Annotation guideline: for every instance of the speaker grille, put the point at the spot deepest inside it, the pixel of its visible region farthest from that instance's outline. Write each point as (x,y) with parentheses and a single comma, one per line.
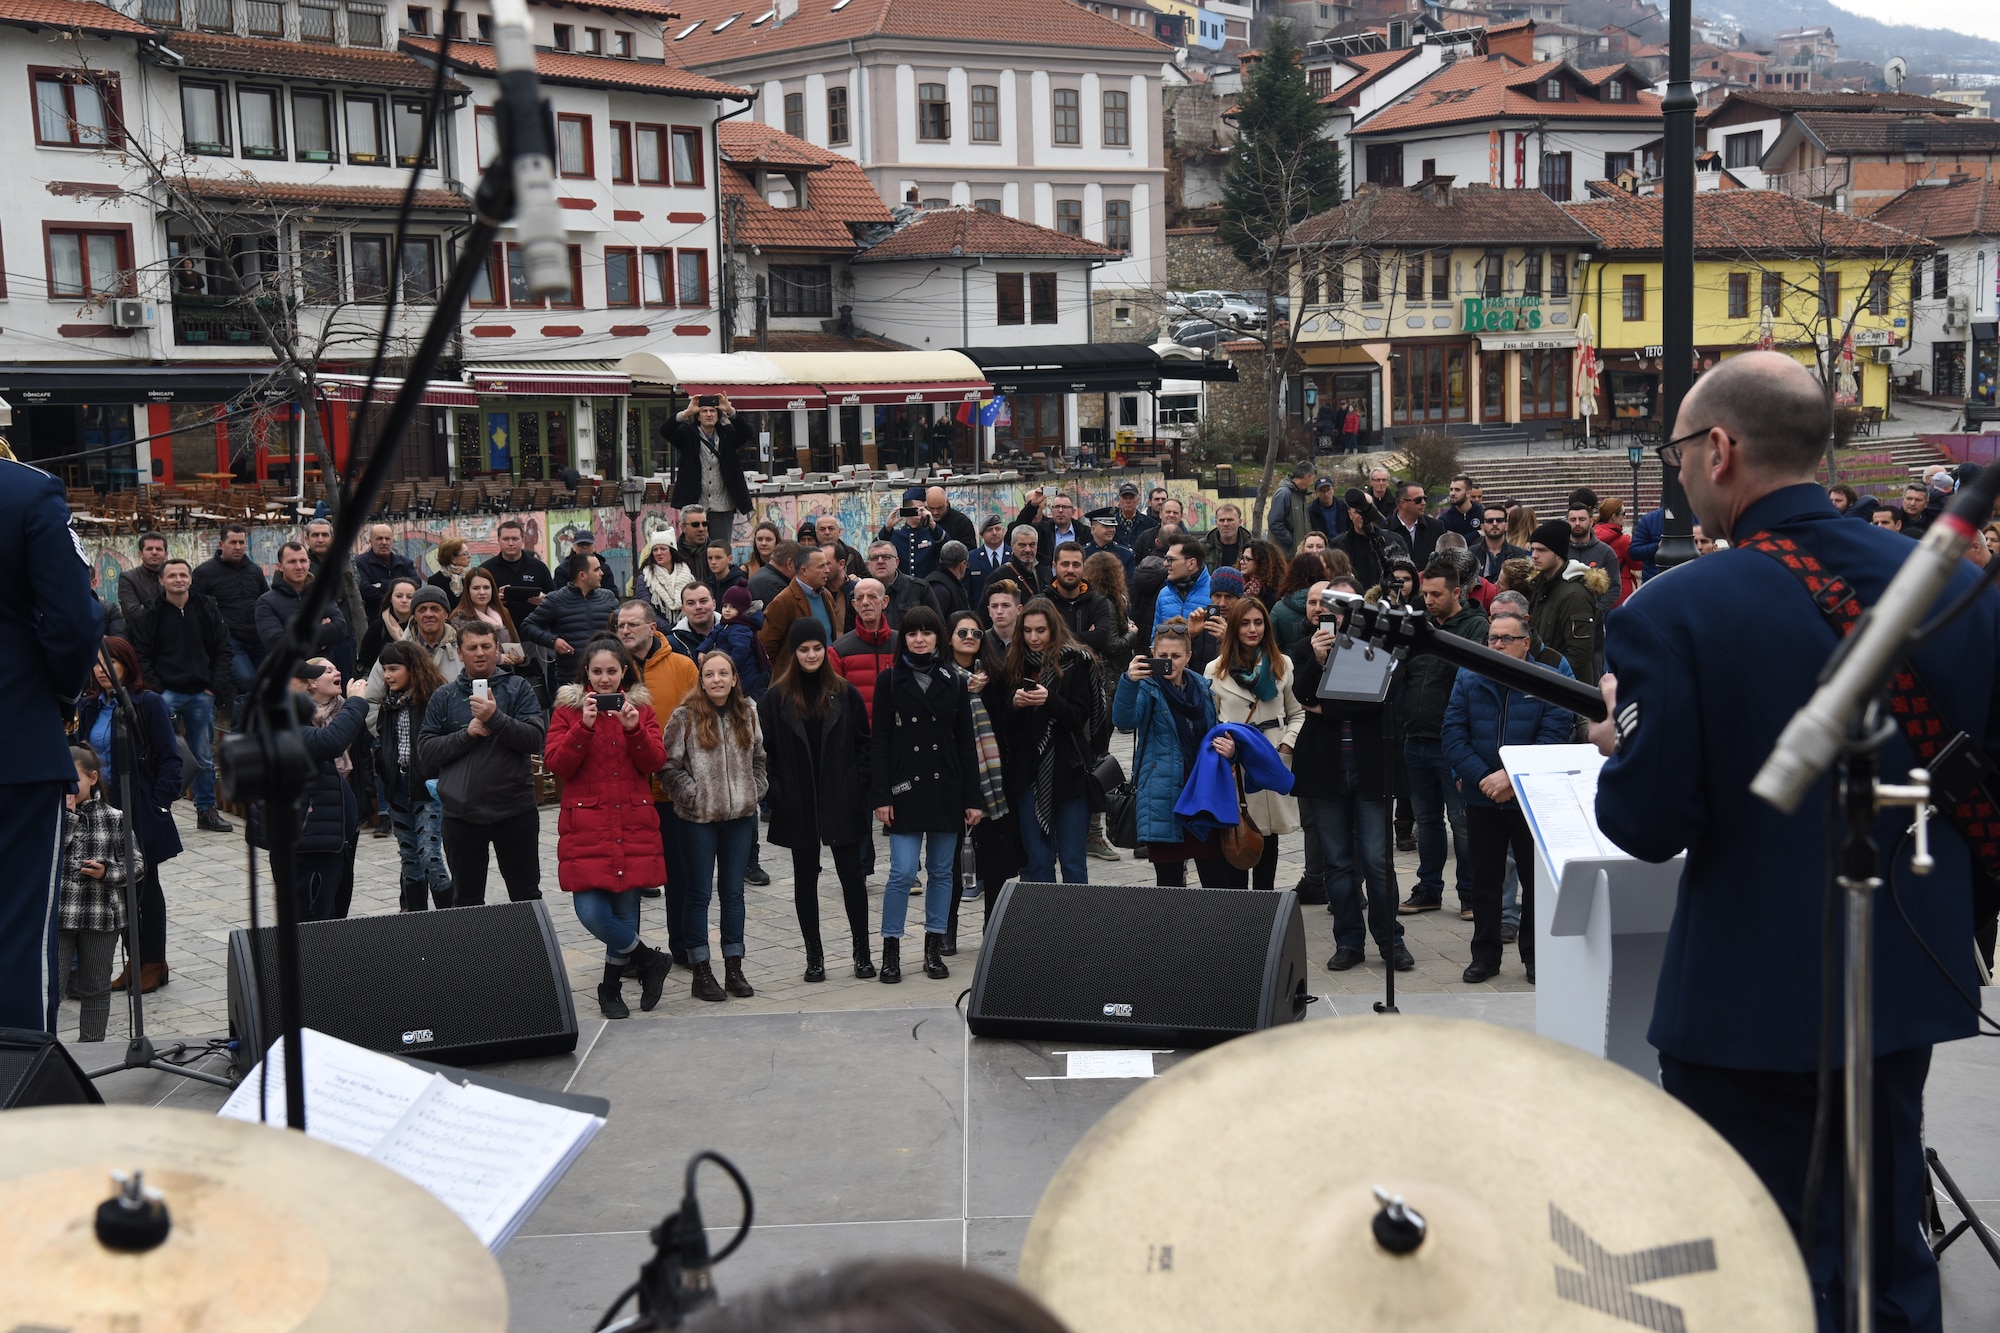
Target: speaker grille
(466,984)
(1065,952)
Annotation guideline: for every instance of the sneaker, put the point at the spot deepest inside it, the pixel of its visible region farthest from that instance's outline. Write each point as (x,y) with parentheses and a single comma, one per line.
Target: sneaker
(383,828)
(1465,914)
(1408,844)
(1413,905)
(1343,959)
(212,822)
(1101,850)
(969,894)
(652,893)
(757,875)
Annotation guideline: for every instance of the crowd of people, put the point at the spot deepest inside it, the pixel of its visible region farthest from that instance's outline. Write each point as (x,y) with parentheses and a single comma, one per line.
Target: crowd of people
(955,683)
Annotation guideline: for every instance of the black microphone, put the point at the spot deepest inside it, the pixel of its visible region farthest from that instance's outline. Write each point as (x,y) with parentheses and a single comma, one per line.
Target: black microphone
(1813,737)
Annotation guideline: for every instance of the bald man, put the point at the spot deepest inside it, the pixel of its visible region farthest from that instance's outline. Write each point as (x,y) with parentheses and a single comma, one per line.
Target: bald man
(955,525)
(1707,663)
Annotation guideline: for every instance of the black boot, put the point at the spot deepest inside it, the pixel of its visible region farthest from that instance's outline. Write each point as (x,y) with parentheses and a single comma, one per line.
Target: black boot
(864,966)
(950,949)
(415,897)
(934,967)
(815,964)
(704,986)
(609,1001)
(733,980)
(653,968)
(892,971)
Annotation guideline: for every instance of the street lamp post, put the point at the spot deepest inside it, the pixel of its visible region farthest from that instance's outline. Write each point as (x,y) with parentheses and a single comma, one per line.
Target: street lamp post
(1635,454)
(632,497)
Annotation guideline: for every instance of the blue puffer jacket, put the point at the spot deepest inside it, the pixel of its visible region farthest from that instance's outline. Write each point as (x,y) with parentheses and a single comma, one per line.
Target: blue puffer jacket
(1157,771)
(1483,716)
(1174,602)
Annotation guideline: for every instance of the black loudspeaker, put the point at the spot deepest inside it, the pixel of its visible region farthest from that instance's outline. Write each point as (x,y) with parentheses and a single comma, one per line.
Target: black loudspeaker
(460,986)
(1131,964)
(35,1070)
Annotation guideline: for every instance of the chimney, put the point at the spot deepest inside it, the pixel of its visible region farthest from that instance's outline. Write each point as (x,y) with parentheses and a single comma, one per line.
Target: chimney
(1436,190)
(1517,41)
(785,8)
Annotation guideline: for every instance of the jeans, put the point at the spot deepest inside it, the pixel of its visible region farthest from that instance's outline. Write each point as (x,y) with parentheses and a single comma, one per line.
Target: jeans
(676,890)
(92,951)
(418,822)
(1435,797)
(1496,828)
(1069,827)
(196,714)
(611,917)
(516,845)
(938,850)
(1510,896)
(1354,830)
(717,855)
(243,669)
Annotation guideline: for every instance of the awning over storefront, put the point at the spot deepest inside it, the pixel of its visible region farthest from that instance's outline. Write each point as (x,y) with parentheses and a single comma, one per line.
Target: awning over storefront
(33,385)
(438,393)
(1087,368)
(560,379)
(770,381)
(1542,340)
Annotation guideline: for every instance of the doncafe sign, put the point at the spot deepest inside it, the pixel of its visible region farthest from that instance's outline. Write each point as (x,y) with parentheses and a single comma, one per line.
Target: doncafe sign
(1502,314)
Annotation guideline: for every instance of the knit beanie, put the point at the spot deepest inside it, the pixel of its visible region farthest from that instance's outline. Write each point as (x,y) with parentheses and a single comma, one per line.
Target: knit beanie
(804,630)
(1553,534)
(430,592)
(738,597)
(1225,581)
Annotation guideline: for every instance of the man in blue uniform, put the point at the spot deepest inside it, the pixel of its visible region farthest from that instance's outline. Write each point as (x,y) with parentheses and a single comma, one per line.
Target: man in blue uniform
(48,632)
(1707,664)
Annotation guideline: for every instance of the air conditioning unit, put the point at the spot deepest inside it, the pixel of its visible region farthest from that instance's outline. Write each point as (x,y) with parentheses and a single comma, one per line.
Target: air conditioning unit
(1885,356)
(1956,304)
(134,314)
(1954,321)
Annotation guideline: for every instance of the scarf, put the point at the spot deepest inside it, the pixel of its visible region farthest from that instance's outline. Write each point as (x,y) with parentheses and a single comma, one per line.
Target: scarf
(1049,674)
(1184,706)
(1259,681)
(986,749)
(456,577)
(397,702)
(323,714)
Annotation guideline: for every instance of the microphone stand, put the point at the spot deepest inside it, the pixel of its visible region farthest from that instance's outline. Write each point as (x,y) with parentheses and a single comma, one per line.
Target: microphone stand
(267,760)
(1406,631)
(139,1050)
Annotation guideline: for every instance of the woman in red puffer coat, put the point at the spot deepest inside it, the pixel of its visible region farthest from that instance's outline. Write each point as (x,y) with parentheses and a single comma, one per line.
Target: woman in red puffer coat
(1610,530)
(608,835)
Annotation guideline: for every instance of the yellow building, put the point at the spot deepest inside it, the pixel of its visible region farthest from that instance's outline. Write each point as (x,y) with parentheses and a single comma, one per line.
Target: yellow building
(1439,307)
(1769,270)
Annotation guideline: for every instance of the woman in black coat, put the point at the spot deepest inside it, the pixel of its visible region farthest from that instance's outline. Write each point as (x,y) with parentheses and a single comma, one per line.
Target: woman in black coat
(816,738)
(1054,707)
(156,784)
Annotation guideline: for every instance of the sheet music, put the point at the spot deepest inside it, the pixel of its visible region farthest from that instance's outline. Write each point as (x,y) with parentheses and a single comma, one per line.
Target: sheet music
(354,1096)
(487,1155)
(1562,808)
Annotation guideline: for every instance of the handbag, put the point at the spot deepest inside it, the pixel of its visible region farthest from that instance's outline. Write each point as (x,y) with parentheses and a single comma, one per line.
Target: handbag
(1111,794)
(1242,844)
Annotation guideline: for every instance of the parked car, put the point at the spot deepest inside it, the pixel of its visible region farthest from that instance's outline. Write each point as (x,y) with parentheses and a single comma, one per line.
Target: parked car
(1203,333)
(1223,308)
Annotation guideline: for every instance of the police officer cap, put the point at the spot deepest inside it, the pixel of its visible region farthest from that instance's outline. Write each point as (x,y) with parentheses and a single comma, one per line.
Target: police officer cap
(1106,517)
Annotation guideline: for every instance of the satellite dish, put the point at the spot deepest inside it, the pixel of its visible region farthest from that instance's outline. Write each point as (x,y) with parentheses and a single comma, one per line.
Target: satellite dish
(1894,72)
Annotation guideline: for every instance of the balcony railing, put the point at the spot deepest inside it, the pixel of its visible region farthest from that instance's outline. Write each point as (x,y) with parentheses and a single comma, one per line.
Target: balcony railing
(217,321)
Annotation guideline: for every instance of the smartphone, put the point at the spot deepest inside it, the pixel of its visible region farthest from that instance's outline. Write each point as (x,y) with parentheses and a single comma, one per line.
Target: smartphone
(1160,667)
(481,689)
(907,511)
(709,400)
(610,703)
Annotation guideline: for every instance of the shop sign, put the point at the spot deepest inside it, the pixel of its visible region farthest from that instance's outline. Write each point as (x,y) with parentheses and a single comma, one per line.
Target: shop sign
(1501,314)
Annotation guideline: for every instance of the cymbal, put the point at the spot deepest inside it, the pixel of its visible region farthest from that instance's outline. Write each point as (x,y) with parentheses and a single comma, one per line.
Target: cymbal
(1557,1191)
(271,1230)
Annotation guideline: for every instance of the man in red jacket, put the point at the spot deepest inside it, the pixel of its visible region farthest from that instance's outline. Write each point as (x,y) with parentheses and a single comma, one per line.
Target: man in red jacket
(869,649)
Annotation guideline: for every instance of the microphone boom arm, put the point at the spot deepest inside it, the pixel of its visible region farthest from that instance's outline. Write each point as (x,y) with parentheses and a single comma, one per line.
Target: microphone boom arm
(1410,632)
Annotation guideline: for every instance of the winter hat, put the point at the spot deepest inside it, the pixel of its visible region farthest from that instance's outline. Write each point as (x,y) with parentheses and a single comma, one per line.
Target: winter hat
(804,630)
(738,597)
(430,592)
(1226,581)
(916,493)
(662,536)
(1553,534)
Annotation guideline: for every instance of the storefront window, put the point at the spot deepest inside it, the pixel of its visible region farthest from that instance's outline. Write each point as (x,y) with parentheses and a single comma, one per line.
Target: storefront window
(1428,384)
(1545,384)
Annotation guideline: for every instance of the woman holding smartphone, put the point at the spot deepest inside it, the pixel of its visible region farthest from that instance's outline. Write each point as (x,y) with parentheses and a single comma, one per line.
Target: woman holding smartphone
(1168,709)
(1054,709)
(716,774)
(409,679)
(1250,680)
(604,743)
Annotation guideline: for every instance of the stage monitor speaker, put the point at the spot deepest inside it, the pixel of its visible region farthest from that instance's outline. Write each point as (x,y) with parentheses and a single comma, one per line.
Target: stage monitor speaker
(1132,964)
(462,986)
(35,1070)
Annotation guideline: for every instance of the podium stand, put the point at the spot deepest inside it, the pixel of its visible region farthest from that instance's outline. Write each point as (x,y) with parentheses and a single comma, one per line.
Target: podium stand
(1601,916)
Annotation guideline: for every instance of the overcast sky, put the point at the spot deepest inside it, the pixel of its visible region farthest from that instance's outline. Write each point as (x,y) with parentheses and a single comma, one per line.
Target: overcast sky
(1981,18)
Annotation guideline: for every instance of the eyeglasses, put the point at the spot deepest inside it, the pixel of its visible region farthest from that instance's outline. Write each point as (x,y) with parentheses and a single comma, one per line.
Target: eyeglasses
(1670,452)
(1488,522)
(1506,638)
(965,634)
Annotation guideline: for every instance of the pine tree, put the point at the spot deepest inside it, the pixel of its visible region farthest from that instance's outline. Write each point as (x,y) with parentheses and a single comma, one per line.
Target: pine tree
(1282,169)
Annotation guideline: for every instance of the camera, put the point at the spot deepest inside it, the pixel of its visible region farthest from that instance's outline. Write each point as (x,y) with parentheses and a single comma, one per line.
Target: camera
(709,400)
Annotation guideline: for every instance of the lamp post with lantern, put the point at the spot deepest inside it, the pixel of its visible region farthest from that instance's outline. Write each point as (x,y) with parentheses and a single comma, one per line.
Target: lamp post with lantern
(632,498)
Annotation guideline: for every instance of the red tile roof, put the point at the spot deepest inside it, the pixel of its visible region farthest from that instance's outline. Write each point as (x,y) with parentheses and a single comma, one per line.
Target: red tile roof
(1738,222)
(1942,212)
(1372,67)
(246,190)
(78,15)
(1468,215)
(1493,86)
(344,64)
(838,192)
(952,233)
(589,71)
(819,23)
